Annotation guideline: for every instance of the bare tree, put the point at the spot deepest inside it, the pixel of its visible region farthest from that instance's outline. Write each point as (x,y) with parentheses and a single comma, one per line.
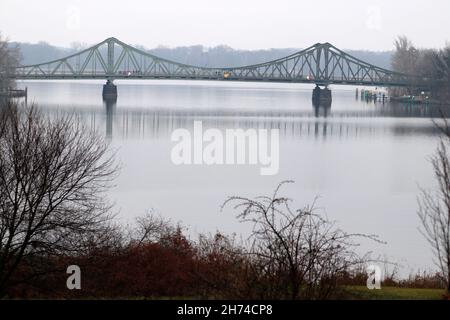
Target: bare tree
(441,72)
(405,55)
(296,254)
(404,60)
(434,209)
(9,60)
(53,176)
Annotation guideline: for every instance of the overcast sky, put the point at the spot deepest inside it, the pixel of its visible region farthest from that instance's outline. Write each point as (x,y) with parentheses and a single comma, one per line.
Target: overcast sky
(245,24)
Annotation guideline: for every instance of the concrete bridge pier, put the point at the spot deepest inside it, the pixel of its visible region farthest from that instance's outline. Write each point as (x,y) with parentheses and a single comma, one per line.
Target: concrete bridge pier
(321,97)
(109,90)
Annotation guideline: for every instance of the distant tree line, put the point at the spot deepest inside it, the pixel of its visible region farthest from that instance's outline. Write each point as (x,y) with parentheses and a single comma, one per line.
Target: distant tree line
(219,56)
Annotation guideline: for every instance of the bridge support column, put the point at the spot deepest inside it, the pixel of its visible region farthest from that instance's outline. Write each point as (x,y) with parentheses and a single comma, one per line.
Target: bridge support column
(321,97)
(109,90)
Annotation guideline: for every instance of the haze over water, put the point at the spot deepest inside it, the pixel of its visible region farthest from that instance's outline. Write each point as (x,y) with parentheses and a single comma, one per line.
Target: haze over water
(364,161)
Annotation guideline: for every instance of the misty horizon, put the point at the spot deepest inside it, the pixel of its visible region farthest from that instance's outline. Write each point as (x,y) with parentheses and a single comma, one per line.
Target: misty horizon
(248,25)
(84,45)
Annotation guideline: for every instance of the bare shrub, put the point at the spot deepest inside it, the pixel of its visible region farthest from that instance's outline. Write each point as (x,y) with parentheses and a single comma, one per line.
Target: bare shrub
(224,269)
(294,254)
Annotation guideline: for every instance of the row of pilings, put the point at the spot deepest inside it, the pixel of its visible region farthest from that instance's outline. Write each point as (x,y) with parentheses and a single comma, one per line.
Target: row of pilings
(371,95)
(8,93)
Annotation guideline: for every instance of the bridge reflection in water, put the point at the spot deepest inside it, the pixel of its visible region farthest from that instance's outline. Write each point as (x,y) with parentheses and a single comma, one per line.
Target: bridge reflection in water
(319,121)
(110,107)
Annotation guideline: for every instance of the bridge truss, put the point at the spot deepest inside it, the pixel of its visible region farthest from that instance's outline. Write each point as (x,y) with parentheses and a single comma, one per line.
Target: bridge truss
(321,64)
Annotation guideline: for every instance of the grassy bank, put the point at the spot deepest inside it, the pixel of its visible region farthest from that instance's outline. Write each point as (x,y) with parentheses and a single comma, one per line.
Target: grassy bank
(394,293)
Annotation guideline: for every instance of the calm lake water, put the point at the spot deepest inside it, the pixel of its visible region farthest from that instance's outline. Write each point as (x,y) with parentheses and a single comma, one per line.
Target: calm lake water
(364,161)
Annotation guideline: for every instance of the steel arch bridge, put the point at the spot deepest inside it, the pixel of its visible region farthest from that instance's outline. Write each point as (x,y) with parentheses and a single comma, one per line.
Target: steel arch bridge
(321,64)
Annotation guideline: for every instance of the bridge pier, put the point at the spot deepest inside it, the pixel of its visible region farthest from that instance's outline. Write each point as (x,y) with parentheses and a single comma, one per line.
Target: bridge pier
(109,90)
(321,97)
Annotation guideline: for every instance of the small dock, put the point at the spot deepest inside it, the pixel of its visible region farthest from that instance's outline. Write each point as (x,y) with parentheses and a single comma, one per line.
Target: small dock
(374,95)
(413,99)
(14,93)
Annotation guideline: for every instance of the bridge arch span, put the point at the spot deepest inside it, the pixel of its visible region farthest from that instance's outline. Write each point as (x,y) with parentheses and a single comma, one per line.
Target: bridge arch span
(321,63)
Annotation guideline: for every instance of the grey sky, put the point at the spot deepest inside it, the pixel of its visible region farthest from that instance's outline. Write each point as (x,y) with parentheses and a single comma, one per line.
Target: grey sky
(246,24)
